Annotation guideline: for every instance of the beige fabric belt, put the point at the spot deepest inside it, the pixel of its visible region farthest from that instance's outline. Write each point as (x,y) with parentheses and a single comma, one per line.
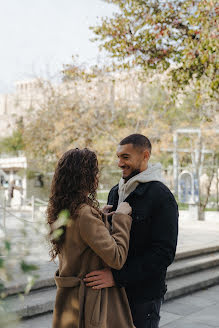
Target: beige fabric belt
(71,282)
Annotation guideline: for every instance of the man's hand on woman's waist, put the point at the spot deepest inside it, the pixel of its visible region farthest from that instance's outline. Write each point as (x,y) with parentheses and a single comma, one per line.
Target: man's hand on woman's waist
(100,279)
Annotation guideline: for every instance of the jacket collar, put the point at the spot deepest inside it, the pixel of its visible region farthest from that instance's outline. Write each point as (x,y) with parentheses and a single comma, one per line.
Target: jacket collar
(139,190)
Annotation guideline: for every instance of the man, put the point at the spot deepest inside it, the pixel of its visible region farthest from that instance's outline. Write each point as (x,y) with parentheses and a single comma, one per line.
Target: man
(153,236)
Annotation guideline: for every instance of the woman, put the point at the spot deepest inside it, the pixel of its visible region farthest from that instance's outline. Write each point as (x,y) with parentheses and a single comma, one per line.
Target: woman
(85,245)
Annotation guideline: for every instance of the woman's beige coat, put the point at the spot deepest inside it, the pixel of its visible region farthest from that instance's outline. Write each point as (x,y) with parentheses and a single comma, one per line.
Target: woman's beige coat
(88,246)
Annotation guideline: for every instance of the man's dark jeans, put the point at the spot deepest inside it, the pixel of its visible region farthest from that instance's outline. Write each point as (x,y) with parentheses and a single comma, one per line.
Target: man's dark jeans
(146,315)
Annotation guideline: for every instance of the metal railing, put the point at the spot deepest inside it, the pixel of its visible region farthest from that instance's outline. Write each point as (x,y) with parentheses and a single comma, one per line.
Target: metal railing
(32,203)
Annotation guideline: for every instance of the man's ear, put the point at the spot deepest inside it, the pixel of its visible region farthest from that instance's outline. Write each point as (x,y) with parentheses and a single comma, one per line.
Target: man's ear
(147,154)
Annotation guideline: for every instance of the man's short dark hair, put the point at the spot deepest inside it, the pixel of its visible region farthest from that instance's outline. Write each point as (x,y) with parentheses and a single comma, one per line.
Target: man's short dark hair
(137,140)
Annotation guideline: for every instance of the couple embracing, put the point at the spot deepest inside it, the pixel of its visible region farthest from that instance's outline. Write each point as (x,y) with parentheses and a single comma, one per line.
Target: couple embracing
(112,263)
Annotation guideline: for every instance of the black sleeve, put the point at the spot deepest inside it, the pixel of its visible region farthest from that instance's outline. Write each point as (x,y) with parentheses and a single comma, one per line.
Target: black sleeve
(110,197)
(110,202)
(164,232)
(113,198)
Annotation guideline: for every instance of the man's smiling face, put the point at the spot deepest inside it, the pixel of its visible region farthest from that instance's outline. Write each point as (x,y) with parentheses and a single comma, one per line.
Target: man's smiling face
(132,160)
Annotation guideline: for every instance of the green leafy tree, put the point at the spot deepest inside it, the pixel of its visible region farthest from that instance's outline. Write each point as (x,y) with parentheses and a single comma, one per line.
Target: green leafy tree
(180,35)
(14,143)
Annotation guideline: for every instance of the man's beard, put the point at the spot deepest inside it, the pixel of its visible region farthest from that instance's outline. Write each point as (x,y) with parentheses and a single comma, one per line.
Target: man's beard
(131,175)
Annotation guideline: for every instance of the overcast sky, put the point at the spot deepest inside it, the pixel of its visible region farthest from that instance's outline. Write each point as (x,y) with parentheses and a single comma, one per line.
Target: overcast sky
(39,36)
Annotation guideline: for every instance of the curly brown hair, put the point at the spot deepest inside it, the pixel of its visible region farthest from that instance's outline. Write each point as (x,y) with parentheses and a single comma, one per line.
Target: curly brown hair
(74,183)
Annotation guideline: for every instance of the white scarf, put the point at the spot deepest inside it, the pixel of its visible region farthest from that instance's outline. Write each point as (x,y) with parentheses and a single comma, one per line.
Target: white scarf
(152,173)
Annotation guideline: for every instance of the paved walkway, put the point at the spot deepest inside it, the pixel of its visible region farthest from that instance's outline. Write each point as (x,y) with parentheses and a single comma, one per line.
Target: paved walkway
(195,234)
(198,310)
